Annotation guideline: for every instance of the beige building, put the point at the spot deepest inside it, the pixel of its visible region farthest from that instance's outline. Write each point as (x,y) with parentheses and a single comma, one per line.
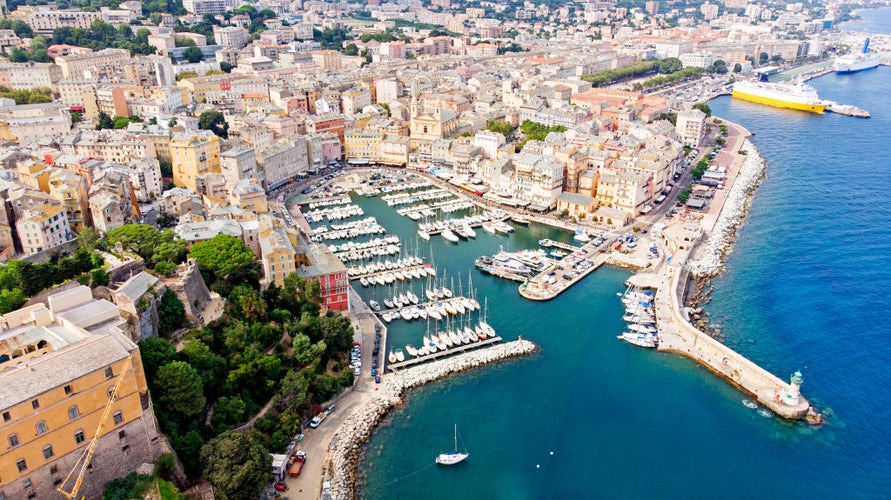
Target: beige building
(278,256)
(194,153)
(26,122)
(58,367)
(75,65)
(111,201)
(690,127)
(238,164)
(29,74)
(43,228)
(70,189)
(248,194)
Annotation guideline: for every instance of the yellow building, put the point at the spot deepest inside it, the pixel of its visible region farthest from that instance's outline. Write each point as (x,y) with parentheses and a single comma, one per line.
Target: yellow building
(362,143)
(278,256)
(194,153)
(199,87)
(35,174)
(71,190)
(248,194)
(58,368)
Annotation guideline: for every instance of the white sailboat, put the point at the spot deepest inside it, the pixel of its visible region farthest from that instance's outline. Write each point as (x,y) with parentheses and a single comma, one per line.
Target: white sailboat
(453,457)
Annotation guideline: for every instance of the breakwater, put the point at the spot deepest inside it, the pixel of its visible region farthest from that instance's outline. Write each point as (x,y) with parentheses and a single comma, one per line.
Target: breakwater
(355,431)
(709,260)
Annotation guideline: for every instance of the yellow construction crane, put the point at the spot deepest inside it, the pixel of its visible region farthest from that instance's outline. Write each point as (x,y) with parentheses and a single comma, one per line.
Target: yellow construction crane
(83,462)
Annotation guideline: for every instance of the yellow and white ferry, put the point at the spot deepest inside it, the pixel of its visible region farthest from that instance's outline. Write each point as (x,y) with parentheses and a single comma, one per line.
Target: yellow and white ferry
(800,95)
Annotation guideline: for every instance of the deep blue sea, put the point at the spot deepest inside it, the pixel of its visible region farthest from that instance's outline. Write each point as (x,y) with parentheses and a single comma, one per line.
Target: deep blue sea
(588,416)
(872,21)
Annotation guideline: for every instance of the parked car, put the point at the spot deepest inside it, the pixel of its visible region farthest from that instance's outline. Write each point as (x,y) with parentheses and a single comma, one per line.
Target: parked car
(279,486)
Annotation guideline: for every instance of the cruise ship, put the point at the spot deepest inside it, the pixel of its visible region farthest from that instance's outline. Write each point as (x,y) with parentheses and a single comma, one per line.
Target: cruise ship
(800,96)
(852,63)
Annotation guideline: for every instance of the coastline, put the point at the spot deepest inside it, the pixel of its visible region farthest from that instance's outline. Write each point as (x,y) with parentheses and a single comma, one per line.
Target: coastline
(349,442)
(709,259)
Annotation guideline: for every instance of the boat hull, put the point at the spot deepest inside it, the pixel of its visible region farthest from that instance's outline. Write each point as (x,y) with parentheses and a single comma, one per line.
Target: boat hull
(850,70)
(779,103)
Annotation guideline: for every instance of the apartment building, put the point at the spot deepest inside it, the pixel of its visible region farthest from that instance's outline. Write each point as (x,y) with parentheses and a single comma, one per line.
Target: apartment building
(29,74)
(58,366)
(75,65)
(277,255)
(194,153)
(145,178)
(70,189)
(690,127)
(283,161)
(237,164)
(43,228)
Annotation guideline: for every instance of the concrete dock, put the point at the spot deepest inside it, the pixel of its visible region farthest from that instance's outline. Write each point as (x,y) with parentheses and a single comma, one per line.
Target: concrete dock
(442,354)
(678,335)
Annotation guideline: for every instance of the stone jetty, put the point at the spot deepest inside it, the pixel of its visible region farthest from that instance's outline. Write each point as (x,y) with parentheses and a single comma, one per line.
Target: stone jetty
(710,258)
(355,431)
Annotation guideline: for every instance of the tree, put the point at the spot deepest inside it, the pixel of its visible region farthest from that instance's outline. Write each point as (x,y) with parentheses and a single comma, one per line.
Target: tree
(10,300)
(182,75)
(215,122)
(155,353)
(167,219)
(763,58)
(223,254)
(88,237)
(151,245)
(351,50)
(226,67)
(181,388)
(171,314)
(105,121)
(237,464)
(503,128)
(705,108)
(100,277)
(193,54)
(737,68)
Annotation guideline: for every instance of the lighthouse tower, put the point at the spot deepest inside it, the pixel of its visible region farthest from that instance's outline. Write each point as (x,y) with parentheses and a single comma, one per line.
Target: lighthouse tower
(794,395)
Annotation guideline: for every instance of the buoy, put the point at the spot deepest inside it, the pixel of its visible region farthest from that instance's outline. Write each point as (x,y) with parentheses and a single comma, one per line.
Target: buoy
(552,453)
(537,466)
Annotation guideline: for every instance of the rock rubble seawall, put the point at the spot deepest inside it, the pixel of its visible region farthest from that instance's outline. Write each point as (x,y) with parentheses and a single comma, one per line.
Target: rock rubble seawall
(356,430)
(732,215)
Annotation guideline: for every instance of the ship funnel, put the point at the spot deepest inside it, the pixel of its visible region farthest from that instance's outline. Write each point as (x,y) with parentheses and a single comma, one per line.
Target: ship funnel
(866,46)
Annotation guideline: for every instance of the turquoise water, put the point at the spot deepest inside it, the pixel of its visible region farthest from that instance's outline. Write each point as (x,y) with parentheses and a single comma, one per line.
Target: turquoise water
(806,286)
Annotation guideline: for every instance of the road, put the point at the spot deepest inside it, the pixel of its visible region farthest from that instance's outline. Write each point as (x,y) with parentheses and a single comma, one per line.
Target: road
(316,441)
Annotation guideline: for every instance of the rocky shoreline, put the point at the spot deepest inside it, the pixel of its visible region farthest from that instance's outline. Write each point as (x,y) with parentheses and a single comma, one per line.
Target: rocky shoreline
(341,469)
(719,243)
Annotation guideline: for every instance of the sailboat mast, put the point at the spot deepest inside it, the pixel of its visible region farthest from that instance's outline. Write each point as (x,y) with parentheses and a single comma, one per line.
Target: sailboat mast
(456,437)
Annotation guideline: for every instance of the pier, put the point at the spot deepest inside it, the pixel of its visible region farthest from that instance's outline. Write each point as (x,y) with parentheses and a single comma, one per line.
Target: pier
(548,243)
(441,354)
(677,335)
(537,288)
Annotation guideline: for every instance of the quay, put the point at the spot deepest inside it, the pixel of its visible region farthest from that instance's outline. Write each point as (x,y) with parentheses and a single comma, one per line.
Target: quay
(677,335)
(441,354)
(558,244)
(537,288)
(402,270)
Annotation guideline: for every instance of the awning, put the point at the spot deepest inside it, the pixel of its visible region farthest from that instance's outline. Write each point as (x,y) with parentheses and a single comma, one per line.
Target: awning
(538,208)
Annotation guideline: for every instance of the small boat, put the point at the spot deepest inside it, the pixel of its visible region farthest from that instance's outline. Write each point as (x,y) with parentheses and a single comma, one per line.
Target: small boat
(446,292)
(449,235)
(469,231)
(748,403)
(387,317)
(433,312)
(411,350)
(639,339)
(391,356)
(389,303)
(519,219)
(489,228)
(374,305)
(764,412)
(399,276)
(456,340)
(364,281)
(412,297)
(470,335)
(400,356)
(451,458)
(581,235)
(458,304)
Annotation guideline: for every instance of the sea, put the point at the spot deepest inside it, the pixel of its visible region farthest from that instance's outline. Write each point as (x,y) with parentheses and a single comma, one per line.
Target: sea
(871,21)
(589,416)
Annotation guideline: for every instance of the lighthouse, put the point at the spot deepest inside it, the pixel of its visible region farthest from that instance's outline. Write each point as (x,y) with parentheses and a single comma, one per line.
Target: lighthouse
(794,395)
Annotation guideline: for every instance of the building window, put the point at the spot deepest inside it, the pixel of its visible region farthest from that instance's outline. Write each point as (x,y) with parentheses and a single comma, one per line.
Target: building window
(35,404)
(122,434)
(41,427)
(26,483)
(118,417)
(48,452)
(22,465)
(68,390)
(79,437)
(13,440)
(108,372)
(53,469)
(73,413)
(6,416)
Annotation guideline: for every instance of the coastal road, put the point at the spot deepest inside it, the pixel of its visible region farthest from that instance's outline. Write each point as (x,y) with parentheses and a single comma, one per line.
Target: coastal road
(316,441)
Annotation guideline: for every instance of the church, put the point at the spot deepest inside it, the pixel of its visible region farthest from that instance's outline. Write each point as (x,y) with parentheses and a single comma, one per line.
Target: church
(429,126)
